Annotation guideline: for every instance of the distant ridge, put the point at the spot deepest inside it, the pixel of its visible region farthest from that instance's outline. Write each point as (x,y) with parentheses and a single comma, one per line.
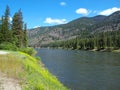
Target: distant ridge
(78,27)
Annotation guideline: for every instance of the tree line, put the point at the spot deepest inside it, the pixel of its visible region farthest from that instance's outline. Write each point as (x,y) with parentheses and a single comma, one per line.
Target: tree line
(13,32)
(109,40)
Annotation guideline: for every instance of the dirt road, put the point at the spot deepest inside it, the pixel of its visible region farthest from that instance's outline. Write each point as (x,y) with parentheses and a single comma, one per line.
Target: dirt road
(8,83)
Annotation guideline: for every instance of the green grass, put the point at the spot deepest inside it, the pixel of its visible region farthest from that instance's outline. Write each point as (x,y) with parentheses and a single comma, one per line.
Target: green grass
(29,71)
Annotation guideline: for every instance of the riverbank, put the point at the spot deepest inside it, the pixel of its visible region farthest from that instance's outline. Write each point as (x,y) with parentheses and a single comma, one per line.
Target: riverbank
(94,50)
(107,50)
(28,71)
(83,70)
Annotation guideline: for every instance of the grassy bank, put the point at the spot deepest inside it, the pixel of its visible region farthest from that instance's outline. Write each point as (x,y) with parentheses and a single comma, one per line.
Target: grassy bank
(29,71)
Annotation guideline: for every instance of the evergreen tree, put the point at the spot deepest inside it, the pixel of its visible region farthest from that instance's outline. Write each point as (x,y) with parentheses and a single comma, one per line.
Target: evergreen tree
(12,34)
(5,27)
(17,29)
(1,31)
(25,42)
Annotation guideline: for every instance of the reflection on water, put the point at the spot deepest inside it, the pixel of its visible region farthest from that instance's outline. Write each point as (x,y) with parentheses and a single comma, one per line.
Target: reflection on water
(83,70)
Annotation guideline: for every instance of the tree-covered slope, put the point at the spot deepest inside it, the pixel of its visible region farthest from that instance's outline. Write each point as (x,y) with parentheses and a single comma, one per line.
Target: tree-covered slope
(80,27)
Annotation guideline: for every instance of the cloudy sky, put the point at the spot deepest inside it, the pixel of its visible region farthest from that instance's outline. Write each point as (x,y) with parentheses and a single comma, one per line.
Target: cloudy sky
(52,12)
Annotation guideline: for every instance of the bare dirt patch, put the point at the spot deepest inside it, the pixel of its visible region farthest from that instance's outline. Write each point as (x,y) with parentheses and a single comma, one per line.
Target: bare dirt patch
(8,83)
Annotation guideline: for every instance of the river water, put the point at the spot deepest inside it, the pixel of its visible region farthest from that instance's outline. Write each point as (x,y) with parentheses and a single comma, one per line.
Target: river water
(83,70)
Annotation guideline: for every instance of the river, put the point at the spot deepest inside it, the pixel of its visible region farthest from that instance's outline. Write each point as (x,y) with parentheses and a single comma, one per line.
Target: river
(83,70)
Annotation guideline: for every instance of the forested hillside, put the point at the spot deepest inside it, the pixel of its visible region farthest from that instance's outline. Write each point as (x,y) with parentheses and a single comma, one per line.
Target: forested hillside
(81,27)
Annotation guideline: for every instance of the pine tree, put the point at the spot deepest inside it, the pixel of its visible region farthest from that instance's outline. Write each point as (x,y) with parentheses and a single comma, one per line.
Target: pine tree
(25,42)
(2,31)
(5,27)
(17,29)
(13,34)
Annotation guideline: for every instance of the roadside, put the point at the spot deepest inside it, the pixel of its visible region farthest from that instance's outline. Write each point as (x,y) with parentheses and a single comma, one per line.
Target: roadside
(15,66)
(8,83)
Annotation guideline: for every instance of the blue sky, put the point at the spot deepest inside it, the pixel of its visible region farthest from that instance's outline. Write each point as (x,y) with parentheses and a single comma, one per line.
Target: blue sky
(53,12)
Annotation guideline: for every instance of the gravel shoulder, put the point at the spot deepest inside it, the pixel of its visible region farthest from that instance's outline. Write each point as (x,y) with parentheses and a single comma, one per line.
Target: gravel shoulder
(8,83)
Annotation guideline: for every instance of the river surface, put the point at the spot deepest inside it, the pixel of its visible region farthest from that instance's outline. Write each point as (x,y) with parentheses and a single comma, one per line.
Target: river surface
(83,70)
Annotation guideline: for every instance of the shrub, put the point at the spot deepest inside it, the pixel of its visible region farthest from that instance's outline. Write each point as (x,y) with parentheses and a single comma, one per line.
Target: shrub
(29,50)
(8,46)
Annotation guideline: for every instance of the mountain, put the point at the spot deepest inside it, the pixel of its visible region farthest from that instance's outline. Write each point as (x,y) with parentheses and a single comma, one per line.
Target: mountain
(110,23)
(80,27)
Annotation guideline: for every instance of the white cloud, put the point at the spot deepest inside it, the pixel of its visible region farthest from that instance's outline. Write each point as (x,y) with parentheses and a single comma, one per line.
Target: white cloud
(36,26)
(82,11)
(55,21)
(109,11)
(62,3)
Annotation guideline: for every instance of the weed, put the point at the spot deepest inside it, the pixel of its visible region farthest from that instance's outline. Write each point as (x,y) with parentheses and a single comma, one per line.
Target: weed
(29,71)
